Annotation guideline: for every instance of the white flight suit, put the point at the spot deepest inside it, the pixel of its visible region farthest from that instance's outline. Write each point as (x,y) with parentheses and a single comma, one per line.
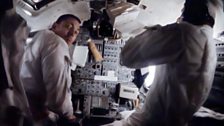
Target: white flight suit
(185,56)
(45,74)
(14,32)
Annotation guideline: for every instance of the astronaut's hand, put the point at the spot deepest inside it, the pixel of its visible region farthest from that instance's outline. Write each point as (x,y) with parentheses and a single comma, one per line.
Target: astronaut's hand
(72,118)
(68,121)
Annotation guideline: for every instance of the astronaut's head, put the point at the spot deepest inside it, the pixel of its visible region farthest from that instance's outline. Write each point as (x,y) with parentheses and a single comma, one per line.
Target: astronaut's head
(200,12)
(196,12)
(67,27)
(6,5)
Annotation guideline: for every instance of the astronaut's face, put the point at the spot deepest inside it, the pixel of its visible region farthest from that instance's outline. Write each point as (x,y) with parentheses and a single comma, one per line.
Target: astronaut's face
(67,29)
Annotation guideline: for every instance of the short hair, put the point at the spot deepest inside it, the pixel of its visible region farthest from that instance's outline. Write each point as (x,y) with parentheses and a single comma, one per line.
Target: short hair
(197,13)
(67,16)
(5,5)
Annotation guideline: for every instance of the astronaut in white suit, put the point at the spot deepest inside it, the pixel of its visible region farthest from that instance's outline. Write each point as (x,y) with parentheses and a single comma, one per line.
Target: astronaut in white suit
(46,73)
(185,57)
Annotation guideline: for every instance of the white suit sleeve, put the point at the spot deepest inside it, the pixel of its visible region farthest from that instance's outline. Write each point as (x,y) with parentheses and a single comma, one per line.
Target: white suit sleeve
(156,45)
(57,78)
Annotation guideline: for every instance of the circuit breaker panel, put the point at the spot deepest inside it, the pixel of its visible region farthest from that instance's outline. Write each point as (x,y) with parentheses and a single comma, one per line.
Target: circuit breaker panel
(98,82)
